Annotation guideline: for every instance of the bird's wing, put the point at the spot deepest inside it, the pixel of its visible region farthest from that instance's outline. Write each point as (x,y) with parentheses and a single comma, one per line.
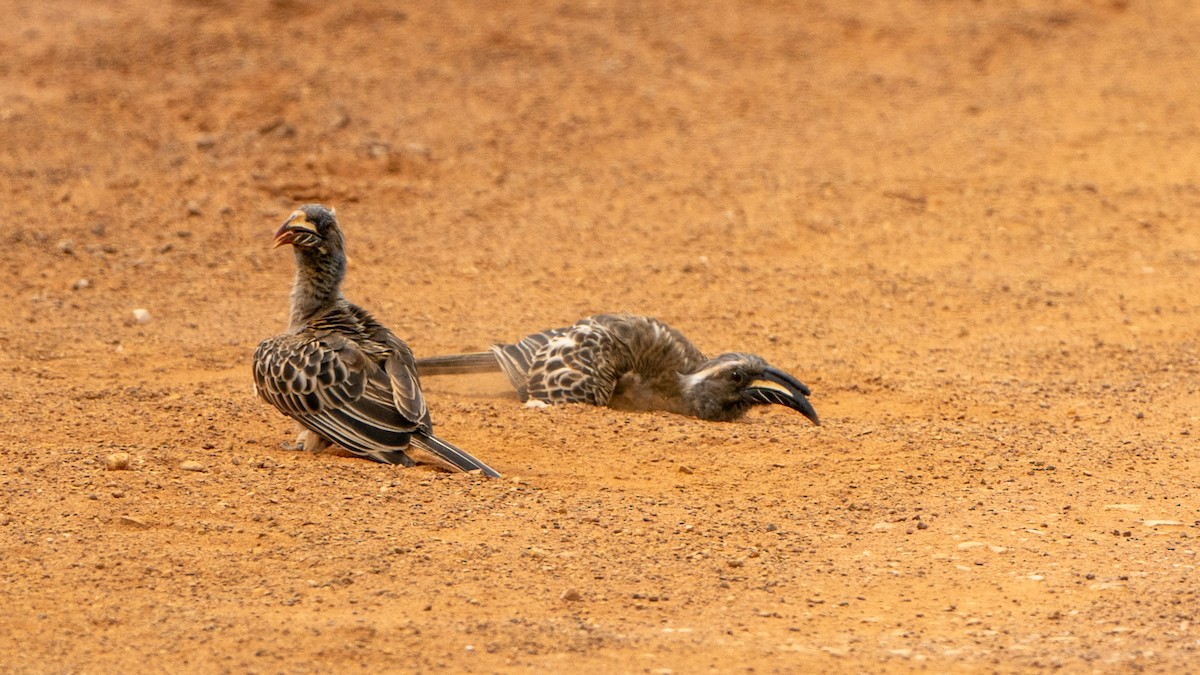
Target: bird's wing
(518,360)
(406,386)
(396,357)
(301,374)
(569,365)
(326,382)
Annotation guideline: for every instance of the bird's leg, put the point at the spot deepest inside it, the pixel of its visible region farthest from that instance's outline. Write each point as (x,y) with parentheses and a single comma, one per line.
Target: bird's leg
(306,440)
(312,442)
(297,444)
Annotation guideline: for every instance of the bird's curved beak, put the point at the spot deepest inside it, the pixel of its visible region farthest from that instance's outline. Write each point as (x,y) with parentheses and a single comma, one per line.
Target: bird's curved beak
(776,386)
(296,223)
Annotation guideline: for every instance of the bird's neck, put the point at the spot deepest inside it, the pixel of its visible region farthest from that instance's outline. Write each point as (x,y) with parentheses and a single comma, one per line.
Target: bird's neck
(698,403)
(318,286)
(659,354)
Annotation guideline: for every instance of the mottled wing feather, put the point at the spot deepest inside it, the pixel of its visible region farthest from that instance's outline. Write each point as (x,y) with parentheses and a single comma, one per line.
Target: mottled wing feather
(406,386)
(519,359)
(299,374)
(566,365)
(395,356)
(328,384)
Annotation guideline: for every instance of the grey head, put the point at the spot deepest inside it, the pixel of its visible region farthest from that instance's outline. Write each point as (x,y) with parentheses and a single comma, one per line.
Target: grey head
(724,388)
(313,230)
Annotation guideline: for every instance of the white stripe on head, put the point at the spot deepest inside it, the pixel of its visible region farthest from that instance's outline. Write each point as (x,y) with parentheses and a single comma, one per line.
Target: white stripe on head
(690,381)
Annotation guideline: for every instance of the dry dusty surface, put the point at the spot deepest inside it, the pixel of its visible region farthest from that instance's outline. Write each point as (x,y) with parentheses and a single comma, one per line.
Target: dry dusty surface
(969,226)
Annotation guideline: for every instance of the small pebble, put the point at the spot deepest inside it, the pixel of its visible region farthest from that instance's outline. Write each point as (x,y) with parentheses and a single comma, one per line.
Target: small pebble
(117,461)
(81,284)
(191,465)
(571,595)
(193,208)
(922,525)
(141,316)
(683,468)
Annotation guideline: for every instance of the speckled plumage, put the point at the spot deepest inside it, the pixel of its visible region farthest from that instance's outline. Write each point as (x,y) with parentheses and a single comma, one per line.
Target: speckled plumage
(629,361)
(342,375)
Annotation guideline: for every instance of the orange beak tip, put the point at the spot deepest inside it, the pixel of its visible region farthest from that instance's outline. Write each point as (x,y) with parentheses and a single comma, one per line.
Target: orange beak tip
(284,235)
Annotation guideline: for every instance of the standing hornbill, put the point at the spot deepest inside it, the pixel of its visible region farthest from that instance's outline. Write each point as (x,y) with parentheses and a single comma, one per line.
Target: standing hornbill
(342,375)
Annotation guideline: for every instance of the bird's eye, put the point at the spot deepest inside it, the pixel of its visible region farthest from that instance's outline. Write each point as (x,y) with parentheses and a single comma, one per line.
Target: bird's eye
(737,376)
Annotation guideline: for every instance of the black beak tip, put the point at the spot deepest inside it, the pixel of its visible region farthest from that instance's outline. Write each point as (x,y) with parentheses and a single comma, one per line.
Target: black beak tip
(807,410)
(796,401)
(795,397)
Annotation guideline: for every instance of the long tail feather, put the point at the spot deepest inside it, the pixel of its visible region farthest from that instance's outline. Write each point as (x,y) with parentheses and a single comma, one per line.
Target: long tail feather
(455,457)
(458,364)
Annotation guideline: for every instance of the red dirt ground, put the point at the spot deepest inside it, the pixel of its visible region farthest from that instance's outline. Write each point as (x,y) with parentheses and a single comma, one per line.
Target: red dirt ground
(969,226)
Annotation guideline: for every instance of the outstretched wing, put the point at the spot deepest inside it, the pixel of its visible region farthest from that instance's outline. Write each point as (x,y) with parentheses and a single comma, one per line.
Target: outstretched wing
(562,365)
(328,384)
(519,360)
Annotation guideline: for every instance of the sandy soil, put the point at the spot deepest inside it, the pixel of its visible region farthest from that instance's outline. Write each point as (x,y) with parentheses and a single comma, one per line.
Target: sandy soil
(970,227)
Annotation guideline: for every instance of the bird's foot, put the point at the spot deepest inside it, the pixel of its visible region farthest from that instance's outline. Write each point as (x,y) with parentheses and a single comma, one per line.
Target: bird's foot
(306,440)
(534,403)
